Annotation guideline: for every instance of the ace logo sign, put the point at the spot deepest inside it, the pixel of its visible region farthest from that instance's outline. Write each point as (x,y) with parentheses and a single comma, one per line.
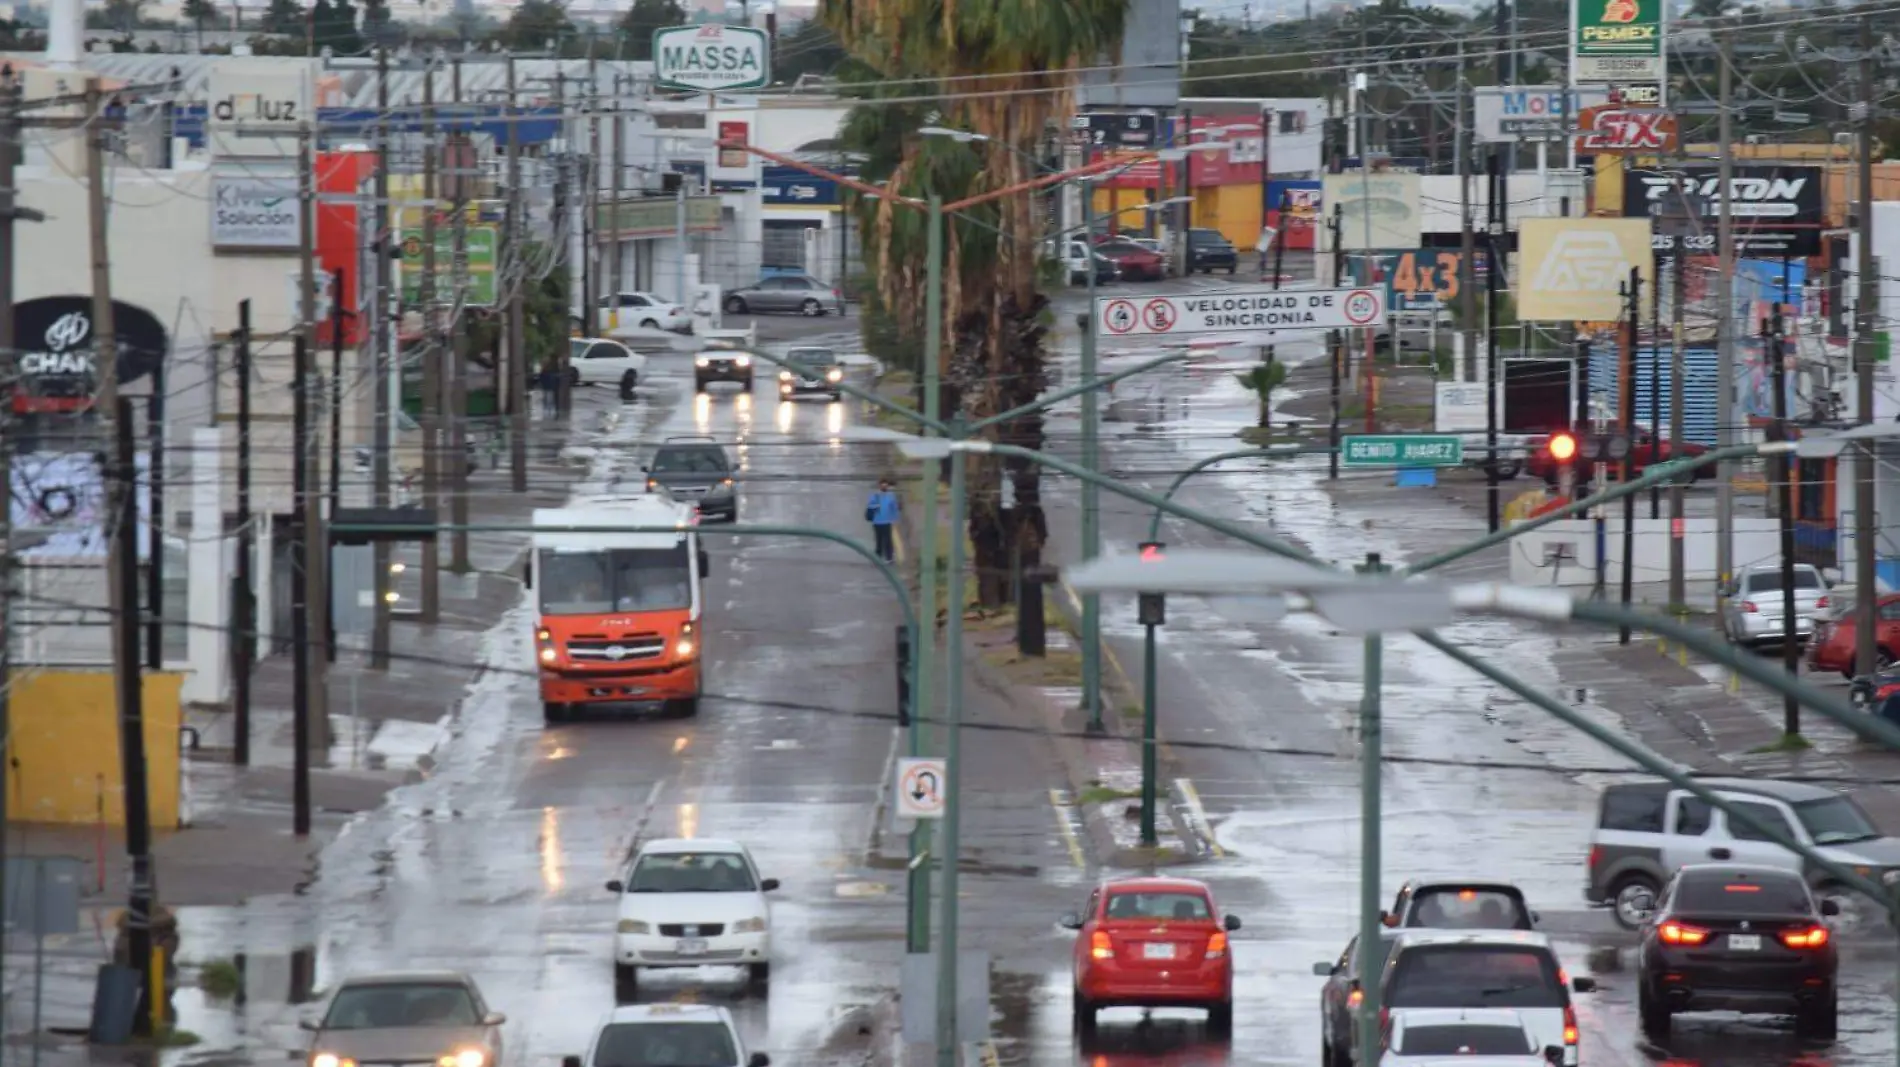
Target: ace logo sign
(1625,130)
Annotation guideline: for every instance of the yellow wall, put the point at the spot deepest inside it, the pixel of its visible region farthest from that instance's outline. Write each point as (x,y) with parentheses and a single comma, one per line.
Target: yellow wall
(1126,205)
(1234,210)
(64,751)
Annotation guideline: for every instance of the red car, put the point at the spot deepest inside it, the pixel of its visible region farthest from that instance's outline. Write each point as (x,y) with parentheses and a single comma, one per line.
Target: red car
(1645,449)
(1133,261)
(1153,943)
(1832,646)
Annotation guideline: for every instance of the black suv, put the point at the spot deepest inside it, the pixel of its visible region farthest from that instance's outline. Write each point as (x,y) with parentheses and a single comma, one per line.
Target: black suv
(1730,937)
(1208,251)
(695,470)
(722,365)
(826,377)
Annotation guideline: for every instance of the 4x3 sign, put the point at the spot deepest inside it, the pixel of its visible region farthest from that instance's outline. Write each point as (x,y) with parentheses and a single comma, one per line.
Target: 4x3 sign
(1624,130)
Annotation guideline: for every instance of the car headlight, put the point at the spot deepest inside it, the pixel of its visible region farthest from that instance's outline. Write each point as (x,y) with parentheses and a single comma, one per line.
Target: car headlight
(702,361)
(1891,878)
(749,926)
(653,485)
(331,1059)
(468,1057)
(548,655)
(633,926)
(835,375)
(744,361)
(784,376)
(684,646)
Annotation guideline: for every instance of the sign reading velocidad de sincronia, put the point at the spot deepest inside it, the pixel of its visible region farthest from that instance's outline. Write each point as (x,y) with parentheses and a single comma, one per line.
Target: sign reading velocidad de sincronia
(1617,41)
(712,58)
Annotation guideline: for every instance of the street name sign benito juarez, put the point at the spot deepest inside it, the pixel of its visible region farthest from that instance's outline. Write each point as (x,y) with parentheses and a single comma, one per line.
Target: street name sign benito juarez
(1252,309)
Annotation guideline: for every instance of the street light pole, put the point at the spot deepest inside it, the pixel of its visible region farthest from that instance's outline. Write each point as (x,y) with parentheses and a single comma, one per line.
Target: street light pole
(1091,494)
(1371,862)
(947,1045)
(918,875)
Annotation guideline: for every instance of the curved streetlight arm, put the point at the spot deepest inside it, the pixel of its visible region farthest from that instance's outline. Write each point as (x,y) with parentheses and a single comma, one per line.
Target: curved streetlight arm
(1647,760)
(866,395)
(1199,465)
(1060,395)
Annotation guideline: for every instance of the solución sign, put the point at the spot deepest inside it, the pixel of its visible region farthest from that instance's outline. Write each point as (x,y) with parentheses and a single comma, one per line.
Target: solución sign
(1249,310)
(712,58)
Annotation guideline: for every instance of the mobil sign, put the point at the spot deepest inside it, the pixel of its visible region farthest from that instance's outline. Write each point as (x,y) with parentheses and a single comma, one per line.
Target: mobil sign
(1513,113)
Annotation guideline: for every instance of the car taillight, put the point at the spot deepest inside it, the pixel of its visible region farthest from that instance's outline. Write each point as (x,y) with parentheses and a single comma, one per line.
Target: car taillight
(1099,946)
(1674,933)
(1821,603)
(1570,1025)
(1216,946)
(1385,1018)
(1749,608)
(1354,998)
(1813,937)
(1596,855)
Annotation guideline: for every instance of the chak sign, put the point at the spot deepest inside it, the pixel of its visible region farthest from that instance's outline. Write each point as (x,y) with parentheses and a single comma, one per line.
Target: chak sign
(1626,130)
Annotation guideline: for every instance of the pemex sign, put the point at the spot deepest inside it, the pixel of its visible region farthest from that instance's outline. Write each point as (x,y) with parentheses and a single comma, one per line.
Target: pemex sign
(712,58)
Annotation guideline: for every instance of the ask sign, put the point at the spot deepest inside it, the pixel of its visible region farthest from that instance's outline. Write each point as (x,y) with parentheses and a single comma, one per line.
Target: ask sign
(712,58)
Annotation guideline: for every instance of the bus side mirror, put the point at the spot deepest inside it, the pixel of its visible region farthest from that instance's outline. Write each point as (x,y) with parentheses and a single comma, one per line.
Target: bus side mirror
(705,563)
(527,575)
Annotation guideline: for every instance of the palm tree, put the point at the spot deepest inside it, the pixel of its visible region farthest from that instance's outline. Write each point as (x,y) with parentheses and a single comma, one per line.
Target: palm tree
(200,13)
(1006,70)
(1262,379)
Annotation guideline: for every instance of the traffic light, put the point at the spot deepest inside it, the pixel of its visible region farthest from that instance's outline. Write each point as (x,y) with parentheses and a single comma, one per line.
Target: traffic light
(1151,609)
(1566,447)
(1563,447)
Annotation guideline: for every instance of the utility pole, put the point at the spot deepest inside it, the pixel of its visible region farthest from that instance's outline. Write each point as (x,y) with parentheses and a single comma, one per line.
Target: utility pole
(1338,343)
(386,242)
(515,276)
(1866,306)
(1493,271)
(563,223)
(618,281)
(244,599)
(433,330)
(1626,414)
(590,198)
(1725,329)
(1678,565)
(10,212)
(1782,471)
(1467,241)
(121,481)
(463,162)
(313,729)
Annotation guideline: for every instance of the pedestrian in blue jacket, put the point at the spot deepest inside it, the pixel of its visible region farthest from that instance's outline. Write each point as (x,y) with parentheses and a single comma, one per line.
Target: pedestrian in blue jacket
(881,512)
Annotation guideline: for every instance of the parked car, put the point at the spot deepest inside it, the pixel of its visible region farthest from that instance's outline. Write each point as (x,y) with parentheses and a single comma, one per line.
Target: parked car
(1646,830)
(1159,249)
(1076,257)
(604,361)
(1131,260)
(1752,603)
(1209,251)
(649,312)
(1738,937)
(799,294)
(1832,647)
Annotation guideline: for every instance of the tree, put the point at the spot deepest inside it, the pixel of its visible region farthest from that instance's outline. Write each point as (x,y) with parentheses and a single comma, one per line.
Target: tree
(1013,63)
(333,26)
(200,13)
(537,25)
(637,25)
(378,27)
(285,17)
(1262,379)
(122,15)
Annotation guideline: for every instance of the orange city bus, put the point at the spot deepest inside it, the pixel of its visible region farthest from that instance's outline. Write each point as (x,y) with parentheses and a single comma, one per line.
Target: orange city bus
(617,614)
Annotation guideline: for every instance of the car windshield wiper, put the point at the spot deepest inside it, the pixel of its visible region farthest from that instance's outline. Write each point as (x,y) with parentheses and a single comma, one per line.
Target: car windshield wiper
(1844,837)
(1498,991)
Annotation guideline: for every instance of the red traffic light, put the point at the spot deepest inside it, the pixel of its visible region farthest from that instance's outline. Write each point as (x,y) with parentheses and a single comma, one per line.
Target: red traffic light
(1563,447)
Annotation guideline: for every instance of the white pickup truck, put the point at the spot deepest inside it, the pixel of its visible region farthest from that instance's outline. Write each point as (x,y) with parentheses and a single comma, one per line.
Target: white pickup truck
(1514,451)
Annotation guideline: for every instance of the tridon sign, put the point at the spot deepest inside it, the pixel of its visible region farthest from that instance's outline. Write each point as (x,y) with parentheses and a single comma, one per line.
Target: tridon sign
(1625,130)
(712,58)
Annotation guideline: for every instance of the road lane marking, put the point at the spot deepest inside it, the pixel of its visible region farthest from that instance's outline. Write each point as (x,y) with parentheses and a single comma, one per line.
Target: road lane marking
(1198,815)
(897,543)
(646,816)
(1059,801)
(1115,664)
(874,841)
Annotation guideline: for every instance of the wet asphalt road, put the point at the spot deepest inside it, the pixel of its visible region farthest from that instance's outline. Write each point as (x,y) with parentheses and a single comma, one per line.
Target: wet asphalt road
(1279,780)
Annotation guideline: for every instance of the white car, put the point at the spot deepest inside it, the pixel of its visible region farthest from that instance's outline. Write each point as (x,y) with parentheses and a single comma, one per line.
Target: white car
(694,902)
(699,1035)
(648,311)
(1468,1037)
(604,361)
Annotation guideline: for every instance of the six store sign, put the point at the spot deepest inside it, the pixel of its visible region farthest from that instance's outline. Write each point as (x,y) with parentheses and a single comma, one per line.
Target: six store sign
(1248,310)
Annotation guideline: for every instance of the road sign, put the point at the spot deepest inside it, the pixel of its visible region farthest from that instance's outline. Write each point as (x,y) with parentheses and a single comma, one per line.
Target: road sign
(921,789)
(1242,310)
(482,286)
(1402,450)
(712,57)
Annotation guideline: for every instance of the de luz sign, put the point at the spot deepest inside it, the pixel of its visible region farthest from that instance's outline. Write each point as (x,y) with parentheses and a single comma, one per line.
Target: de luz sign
(712,58)
(1241,310)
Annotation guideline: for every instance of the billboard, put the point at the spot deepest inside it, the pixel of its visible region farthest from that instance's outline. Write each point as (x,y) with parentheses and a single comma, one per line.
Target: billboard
(1375,210)
(1514,113)
(1574,270)
(1776,211)
(1619,42)
(1300,200)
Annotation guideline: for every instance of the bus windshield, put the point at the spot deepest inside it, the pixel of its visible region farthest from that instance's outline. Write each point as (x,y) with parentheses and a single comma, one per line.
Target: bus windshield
(621,579)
